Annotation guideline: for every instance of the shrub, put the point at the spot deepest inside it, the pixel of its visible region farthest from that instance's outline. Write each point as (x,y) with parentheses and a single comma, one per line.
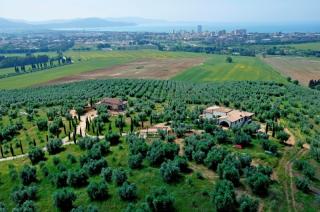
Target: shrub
(71,158)
(63,199)
(283,136)
(229,60)
(160,151)
(54,128)
(2,207)
(229,172)
(97,191)
(248,204)
(199,156)
(94,167)
(181,163)
(119,176)
(23,193)
(56,161)
(245,160)
(98,150)
(214,157)
(54,146)
(160,200)
(258,182)
(302,184)
(60,179)
(36,155)
(42,124)
(135,161)
(223,196)
(242,139)
(137,145)
(113,138)
(128,192)
(106,174)
(87,142)
(171,138)
(169,171)
(27,206)
(78,178)
(28,175)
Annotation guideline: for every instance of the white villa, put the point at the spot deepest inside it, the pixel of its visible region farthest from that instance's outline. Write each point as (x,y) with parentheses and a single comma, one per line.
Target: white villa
(228,117)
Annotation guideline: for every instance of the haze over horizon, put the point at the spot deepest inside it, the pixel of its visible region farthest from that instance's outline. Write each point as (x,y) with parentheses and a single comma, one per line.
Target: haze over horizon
(248,11)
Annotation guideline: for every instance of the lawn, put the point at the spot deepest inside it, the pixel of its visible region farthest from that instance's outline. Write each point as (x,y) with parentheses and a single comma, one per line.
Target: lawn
(242,68)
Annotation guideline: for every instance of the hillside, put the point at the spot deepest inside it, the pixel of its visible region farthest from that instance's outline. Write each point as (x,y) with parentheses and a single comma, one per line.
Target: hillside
(28,117)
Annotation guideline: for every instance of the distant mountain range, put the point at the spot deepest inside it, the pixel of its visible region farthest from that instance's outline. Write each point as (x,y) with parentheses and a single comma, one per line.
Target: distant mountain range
(74,23)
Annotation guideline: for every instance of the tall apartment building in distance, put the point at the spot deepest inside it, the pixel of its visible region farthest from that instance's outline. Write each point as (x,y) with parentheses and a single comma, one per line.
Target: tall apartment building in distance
(199,29)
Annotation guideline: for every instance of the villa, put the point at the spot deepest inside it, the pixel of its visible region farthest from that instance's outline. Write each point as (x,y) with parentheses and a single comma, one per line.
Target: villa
(228,117)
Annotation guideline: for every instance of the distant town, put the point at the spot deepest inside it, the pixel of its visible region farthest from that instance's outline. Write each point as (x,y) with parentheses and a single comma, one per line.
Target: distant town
(236,42)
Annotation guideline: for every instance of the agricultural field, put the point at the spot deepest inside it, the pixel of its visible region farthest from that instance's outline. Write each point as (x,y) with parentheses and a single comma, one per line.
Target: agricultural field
(242,68)
(307,46)
(195,167)
(146,64)
(298,68)
(106,64)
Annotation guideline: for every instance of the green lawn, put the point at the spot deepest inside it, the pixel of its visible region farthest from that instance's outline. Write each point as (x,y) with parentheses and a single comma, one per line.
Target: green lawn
(243,68)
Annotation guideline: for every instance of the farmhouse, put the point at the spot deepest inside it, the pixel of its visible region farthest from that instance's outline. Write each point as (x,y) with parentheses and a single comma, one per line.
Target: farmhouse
(228,117)
(113,104)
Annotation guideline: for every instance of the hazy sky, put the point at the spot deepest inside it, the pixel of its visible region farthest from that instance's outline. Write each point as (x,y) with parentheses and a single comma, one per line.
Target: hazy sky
(172,10)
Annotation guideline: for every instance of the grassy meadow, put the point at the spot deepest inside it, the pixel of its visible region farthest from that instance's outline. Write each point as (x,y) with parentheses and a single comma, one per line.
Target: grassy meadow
(242,68)
(314,46)
(83,62)
(215,68)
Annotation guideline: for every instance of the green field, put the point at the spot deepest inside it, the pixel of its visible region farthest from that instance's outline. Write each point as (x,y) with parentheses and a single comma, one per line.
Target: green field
(215,68)
(242,68)
(315,46)
(85,61)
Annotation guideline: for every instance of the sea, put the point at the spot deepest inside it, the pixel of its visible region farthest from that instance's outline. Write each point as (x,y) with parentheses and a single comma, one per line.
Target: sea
(167,28)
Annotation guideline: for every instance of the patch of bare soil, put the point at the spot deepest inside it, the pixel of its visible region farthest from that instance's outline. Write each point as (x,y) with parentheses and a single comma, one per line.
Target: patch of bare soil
(298,68)
(81,128)
(142,69)
(291,141)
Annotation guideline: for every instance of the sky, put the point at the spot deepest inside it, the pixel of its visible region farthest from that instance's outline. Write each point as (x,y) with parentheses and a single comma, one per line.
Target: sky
(255,11)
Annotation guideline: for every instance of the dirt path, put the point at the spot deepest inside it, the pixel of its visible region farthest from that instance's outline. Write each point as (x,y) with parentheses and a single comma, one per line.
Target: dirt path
(288,169)
(291,141)
(65,142)
(81,128)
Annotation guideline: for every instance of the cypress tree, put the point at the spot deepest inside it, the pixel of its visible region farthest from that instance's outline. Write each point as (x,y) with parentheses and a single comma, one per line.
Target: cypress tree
(131,126)
(1,151)
(64,129)
(21,147)
(75,138)
(11,150)
(267,128)
(273,129)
